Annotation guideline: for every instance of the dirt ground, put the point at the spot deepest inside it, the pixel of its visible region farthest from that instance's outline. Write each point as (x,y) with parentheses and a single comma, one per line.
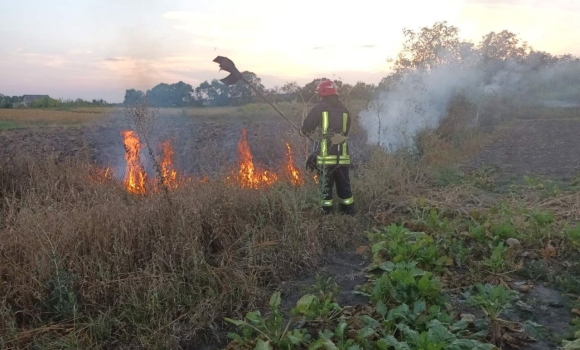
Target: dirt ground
(532,147)
(202,146)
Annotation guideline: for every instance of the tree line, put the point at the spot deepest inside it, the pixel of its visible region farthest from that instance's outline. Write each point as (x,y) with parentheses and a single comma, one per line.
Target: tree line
(48,102)
(215,93)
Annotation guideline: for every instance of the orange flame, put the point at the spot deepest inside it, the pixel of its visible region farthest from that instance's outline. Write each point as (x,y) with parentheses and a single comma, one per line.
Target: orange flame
(294,173)
(167,170)
(135,176)
(248,175)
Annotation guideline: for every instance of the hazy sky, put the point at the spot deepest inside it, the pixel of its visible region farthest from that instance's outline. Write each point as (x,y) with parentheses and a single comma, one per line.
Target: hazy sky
(98,49)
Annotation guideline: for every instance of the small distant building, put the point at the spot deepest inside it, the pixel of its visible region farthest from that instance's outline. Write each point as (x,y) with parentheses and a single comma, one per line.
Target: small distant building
(27,99)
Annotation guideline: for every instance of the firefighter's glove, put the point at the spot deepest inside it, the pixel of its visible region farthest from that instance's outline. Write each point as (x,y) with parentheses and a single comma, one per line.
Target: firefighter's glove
(311,163)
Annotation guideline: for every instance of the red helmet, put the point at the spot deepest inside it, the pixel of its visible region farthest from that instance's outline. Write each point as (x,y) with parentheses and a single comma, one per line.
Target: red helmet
(327,88)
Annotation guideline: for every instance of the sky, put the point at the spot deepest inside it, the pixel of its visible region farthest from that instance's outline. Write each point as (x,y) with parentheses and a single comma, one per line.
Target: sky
(97,49)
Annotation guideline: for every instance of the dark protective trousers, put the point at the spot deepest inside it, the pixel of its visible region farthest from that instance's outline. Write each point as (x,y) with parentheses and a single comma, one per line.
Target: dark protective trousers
(329,176)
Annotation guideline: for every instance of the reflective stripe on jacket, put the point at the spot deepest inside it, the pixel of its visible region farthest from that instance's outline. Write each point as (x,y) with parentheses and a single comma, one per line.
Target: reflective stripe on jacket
(326,119)
(340,155)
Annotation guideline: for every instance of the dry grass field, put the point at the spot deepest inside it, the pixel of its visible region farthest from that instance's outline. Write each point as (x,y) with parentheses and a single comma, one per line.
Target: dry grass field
(17,118)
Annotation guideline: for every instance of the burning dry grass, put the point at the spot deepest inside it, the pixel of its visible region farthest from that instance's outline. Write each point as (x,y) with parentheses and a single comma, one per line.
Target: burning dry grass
(48,117)
(248,175)
(135,175)
(88,260)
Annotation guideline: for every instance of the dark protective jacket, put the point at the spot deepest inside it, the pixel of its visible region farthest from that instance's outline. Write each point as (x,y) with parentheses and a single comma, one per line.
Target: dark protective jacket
(329,109)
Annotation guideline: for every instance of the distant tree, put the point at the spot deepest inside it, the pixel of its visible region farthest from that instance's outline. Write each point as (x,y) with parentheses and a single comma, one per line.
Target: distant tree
(388,82)
(469,55)
(291,91)
(290,87)
(182,94)
(99,102)
(568,58)
(241,94)
(346,89)
(46,102)
(215,93)
(198,99)
(174,95)
(287,92)
(500,49)
(133,97)
(429,47)
(274,93)
(539,59)
(503,46)
(362,91)
(160,96)
(5,101)
(9,102)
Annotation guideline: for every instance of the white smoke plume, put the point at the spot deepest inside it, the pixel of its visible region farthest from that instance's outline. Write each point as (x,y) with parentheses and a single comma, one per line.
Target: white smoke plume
(420,99)
(417,102)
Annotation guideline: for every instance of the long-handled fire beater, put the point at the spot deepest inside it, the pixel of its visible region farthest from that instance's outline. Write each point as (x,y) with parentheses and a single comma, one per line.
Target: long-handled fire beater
(235,76)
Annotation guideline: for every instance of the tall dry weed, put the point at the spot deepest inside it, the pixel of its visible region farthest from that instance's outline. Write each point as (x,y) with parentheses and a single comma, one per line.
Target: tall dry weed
(75,250)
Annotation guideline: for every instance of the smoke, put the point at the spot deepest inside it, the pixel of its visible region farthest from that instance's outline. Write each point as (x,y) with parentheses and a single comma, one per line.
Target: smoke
(419,99)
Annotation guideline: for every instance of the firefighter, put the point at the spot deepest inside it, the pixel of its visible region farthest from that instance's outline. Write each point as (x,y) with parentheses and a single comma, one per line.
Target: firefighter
(329,122)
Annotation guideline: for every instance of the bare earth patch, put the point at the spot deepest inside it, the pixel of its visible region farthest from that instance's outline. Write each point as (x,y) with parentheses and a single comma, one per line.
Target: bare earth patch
(536,147)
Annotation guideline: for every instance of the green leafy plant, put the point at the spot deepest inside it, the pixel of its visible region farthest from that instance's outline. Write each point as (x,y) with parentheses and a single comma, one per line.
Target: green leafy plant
(541,218)
(502,231)
(573,235)
(448,176)
(401,245)
(533,182)
(336,340)
(314,308)
(323,285)
(437,337)
(61,299)
(418,316)
(268,332)
(493,300)
(478,232)
(497,262)
(572,344)
(361,339)
(320,304)
(483,178)
(459,251)
(437,223)
(405,283)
